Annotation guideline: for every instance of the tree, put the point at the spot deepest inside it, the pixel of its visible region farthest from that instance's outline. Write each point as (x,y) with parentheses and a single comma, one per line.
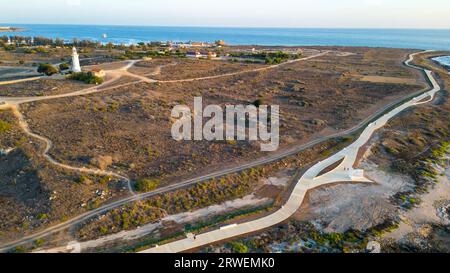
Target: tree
(47,69)
(258,103)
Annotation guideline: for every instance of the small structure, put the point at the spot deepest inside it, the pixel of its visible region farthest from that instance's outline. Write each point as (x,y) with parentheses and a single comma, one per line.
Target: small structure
(9,41)
(197,44)
(194,54)
(204,55)
(75,61)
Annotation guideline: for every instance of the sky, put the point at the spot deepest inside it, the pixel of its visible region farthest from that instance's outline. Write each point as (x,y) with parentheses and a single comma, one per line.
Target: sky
(232,13)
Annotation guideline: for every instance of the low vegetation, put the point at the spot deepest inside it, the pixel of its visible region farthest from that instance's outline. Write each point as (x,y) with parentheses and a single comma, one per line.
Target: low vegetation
(150,210)
(86,77)
(47,69)
(64,66)
(4,126)
(302,237)
(267,57)
(146,185)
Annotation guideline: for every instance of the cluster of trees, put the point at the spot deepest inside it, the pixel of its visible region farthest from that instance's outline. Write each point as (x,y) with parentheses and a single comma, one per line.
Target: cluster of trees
(124,218)
(132,54)
(43,41)
(267,57)
(208,193)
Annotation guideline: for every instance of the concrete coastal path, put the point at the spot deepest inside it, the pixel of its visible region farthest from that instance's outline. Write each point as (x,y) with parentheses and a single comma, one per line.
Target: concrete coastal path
(343,173)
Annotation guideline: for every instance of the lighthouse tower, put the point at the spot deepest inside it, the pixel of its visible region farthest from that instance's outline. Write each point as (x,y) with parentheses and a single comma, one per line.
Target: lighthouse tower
(75,61)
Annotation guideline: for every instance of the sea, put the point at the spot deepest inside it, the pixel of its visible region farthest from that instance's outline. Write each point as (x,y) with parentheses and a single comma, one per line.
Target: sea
(438,39)
(443,60)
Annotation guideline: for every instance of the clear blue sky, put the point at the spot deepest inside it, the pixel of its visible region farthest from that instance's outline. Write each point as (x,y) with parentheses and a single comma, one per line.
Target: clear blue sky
(250,13)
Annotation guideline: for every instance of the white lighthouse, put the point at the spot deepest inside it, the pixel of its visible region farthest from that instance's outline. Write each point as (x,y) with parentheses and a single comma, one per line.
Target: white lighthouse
(75,61)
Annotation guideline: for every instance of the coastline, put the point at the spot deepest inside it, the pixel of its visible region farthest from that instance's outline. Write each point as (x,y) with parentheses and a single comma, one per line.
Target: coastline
(11,29)
(388,38)
(438,60)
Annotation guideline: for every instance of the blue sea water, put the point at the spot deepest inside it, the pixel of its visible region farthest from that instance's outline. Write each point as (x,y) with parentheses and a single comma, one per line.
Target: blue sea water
(444,60)
(397,38)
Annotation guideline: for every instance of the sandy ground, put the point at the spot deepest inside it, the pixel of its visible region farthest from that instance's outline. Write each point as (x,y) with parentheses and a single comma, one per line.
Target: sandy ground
(380,79)
(277,181)
(432,210)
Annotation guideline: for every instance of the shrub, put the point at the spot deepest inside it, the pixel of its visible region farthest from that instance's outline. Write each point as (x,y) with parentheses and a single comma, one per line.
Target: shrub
(258,103)
(39,242)
(145,185)
(47,69)
(86,77)
(4,126)
(42,50)
(64,66)
(239,247)
(42,216)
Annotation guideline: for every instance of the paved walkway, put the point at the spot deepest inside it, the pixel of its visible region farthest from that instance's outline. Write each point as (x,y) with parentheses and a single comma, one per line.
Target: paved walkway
(309,180)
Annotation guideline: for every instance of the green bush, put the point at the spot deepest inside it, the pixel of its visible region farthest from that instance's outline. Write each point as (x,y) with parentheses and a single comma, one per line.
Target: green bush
(64,66)
(42,216)
(42,50)
(4,126)
(47,69)
(258,103)
(146,185)
(86,77)
(239,247)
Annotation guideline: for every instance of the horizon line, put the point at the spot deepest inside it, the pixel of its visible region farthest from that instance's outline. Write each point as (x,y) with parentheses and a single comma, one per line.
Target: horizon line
(222,26)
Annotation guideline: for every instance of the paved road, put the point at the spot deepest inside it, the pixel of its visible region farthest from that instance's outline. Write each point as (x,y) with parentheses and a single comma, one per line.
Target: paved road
(308,181)
(272,158)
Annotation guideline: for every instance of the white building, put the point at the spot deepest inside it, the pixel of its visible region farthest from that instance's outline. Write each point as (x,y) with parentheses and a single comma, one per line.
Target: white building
(195,54)
(75,61)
